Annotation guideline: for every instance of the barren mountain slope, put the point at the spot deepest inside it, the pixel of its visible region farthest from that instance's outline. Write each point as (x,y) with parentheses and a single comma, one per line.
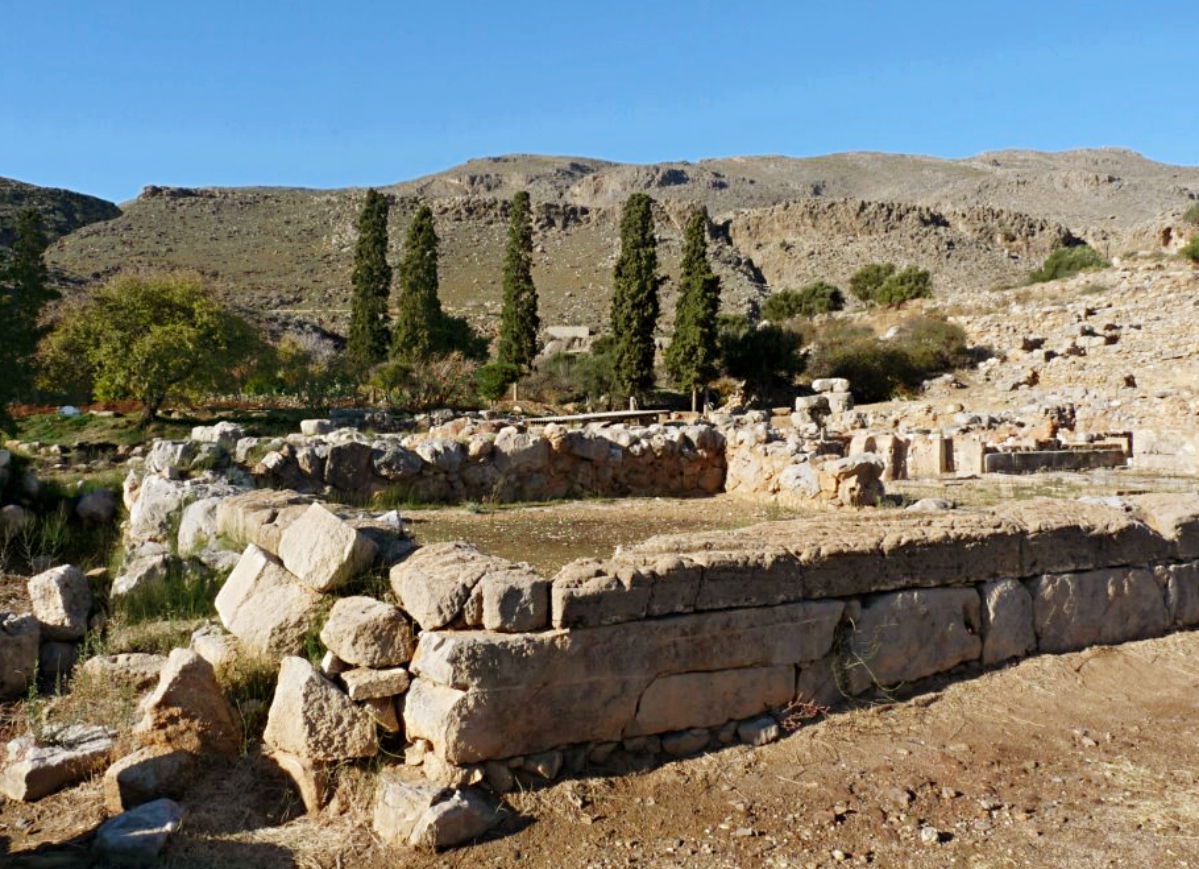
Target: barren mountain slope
(976,223)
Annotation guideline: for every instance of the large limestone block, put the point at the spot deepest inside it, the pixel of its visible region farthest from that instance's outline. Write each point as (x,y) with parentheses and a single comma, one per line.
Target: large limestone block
(1007,621)
(20,636)
(65,756)
(323,551)
(520,453)
(139,670)
(907,635)
(1181,582)
(686,700)
(1173,516)
(267,608)
(147,774)
(483,695)
(368,633)
(62,600)
(349,467)
(434,583)
(1063,536)
(187,710)
(159,503)
(259,516)
(511,599)
(313,720)
(1076,610)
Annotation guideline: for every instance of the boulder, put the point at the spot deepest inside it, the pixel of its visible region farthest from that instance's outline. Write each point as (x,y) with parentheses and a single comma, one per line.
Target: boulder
(147,774)
(1007,621)
(62,601)
(1075,610)
(393,462)
(62,757)
(143,568)
(907,635)
(198,525)
(313,720)
(314,427)
(520,453)
(349,468)
(136,837)
(224,433)
(368,633)
(187,709)
(135,669)
(266,607)
(19,640)
(410,810)
(98,507)
(323,551)
(169,458)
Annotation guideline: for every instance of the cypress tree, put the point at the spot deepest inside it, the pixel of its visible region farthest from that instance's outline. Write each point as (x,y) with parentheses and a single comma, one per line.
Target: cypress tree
(24,289)
(635,297)
(371,281)
(692,355)
(418,332)
(518,318)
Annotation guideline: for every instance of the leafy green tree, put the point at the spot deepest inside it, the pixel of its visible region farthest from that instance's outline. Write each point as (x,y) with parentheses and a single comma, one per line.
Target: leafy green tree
(909,283)
(866,281)
(370,336)
(693,353)
(635,297)
(815,298)
(493,380)
(766,356)
(24,290)
(518,318)
(1066,262)
(418,325)
(154,338)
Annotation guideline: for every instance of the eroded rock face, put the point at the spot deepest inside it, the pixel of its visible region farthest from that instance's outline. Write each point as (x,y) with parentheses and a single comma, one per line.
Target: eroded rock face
(1007,621)
(322,550)
(368,633)
(187,710)
(1181,582)
(266,607)
(312,719)
(62,600)
(1076,610)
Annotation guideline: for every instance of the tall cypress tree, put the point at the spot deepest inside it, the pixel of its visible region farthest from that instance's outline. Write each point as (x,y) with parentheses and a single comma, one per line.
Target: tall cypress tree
(24,289)
(419,330)
(371,281)
(518,318)
(635,297)
(692,355)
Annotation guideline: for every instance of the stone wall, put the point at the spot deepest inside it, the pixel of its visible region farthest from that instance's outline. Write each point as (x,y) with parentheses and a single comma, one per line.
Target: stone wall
(681,639)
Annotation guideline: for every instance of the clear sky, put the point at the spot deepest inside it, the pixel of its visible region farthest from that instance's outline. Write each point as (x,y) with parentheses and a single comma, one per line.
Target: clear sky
(106,97)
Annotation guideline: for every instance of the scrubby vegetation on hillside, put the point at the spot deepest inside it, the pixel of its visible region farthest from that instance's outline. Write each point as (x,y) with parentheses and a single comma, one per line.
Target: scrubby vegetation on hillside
(1066,262)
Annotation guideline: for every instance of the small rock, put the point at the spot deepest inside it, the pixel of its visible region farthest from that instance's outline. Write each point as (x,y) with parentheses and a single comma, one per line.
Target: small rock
(930,835)
(136,837)
(760,730)
(61,602)
(364,683)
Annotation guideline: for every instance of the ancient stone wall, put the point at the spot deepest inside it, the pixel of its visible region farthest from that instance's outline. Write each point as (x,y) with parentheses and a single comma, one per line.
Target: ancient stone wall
(677,642)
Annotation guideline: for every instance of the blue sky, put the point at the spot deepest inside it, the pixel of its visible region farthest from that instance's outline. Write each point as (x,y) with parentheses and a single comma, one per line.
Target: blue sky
(106,97)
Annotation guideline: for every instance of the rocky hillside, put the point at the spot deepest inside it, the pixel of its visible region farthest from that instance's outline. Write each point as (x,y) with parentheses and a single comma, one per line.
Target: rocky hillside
(779,222)
(63,210)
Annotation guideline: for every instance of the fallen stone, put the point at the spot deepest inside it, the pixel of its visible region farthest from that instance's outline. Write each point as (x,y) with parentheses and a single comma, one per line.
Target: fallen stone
(138,670)
(366,684)
(311,779)
(63,757)
(323,551)
(142,571)
(312,719)
(368,633)
(187,710)
(463,816)
(98,507)
(62,601)
(136,837)
(198,525)
(685,742)
(148,774)
(260,516)
(266,607)
(410,810)
(760,730)
(434,583)
(1007,621)
(20,636)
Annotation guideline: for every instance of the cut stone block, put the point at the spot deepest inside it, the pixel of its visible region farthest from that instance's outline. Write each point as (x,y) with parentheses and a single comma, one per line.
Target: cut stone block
(1076,610)
(187,709)
(687,700)
(65,756)
(62,600)
(366,684)
(147,774)
(312,719)
(323,551)
(265,606)
(368,633)
(1007,621)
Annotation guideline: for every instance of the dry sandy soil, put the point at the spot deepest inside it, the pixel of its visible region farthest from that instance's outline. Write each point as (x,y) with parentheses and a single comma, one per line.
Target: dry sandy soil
(1088,759)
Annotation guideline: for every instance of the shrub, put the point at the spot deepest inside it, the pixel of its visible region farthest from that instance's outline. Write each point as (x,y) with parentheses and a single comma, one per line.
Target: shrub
(1191,251)
(564,377)
(911,283)
(1066,262)
(448,381)
(1191,215)
(766,356)
(493,380)
(932,344)
(867,280)
(815,298)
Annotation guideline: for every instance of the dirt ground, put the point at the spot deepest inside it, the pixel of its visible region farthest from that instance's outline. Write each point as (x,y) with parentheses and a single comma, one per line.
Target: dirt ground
(1081,760)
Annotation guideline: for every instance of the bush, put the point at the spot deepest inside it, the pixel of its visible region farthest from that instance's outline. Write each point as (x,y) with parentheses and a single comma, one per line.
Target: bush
(493,380)
(867,280)
(911,283)
(564,377)
(1066,262)
(304,368)
(879,370)
(1191,251)
(1191,215)
(766,356)
(816,298)
(445,382)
